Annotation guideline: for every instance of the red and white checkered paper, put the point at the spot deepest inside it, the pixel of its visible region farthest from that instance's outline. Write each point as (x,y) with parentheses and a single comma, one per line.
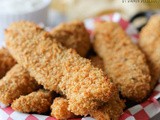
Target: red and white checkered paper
(142,111)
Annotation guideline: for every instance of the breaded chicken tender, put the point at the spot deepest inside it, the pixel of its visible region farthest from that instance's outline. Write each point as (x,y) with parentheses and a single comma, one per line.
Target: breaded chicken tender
(37,102)
(16,82)
(97,62)
(73,35)
(124,63)
(60,110)
(57,68)
(6,62)
(150,45)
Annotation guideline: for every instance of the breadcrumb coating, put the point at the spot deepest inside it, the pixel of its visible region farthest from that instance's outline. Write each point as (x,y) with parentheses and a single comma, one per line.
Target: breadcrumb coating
(57,68)
(60,110)
(110,110)
(73,35)
(35,102)
(97,62)
(6,62)
(16,82)
(124,63)
(150,45)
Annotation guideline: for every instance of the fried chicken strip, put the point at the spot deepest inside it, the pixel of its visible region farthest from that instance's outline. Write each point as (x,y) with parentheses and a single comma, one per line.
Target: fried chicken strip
(16,82)
(124,63)
(73,35)
(150,45)
(60,110)
(57,68)
(38,102)
(6,62)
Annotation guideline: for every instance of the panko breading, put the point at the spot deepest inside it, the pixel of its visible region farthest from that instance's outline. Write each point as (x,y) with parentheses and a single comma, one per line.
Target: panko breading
(38,102)
(110,110)
(97,62)
(57,68)
(6,62)
(73,35)
(60,110)
(113,108)
(16,82)
(150,45)
(124,63)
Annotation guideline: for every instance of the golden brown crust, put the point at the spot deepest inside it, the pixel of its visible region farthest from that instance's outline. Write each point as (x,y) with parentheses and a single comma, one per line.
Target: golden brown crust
(97,62)
(110,110)
(58,68)
(38,102)
(6,62)
(16,82)
(124,63)
(73,35)
(60,109)
(150,45)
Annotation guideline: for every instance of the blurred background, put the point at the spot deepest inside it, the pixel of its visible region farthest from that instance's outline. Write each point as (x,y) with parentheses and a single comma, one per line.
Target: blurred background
(82,9)
(52,12)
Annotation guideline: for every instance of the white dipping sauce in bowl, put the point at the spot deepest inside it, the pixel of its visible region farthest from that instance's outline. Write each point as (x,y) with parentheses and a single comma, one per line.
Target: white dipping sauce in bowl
(20,6)
(17,10)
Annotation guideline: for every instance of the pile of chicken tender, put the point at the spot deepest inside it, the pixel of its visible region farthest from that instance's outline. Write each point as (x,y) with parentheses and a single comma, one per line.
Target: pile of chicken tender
(64,74)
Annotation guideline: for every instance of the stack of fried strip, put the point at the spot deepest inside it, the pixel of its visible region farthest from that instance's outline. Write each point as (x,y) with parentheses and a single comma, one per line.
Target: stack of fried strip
(124,63)
(18,77)
(84,87)
(17,82)
(58,68)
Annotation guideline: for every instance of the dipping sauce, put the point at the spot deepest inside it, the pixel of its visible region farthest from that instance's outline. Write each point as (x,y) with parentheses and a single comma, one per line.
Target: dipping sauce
(20,6)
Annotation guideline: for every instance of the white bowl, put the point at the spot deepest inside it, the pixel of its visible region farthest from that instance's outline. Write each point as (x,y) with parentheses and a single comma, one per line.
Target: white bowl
(37,16)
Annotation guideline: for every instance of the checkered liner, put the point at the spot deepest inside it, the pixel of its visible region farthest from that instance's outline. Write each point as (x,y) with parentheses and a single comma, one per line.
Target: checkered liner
(143,111)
